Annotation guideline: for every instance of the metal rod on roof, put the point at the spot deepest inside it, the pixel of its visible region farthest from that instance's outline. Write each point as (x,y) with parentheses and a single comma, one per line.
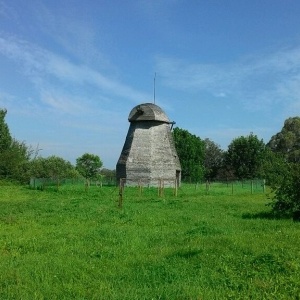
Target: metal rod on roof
(154,87)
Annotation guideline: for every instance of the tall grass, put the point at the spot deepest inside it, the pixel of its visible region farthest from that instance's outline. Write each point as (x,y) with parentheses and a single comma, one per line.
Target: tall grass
(73,244)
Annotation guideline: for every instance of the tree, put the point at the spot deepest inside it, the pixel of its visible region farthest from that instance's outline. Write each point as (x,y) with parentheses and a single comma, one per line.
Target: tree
(5,137)
(15,161)
(286,199)
(108,173)
(14,155)
(58,168)
(89,165)
(109,176)
(245,156)
(190,150)
(274,168)
(287,141)
(213,159)
(53,167)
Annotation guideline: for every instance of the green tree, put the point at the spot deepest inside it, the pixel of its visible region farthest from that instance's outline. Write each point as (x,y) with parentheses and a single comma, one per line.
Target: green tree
(74,174)
(14,155)
(245,156)
(16,161)
(38,168)
(5,137)
(287,141)
(213,159)
(58,168)
(286,199)
(52,167)
(274,168)
(190,150)
(89,165)
(109,176)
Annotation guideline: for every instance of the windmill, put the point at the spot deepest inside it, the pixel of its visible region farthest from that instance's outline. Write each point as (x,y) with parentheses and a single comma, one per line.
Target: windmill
(149,153)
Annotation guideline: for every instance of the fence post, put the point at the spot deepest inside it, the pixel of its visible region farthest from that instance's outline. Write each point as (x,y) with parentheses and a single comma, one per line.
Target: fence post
(232,188)
(251,187)
(207,186)
(158,187)
(140,187)
(175,187)
(264,185)
(121,192)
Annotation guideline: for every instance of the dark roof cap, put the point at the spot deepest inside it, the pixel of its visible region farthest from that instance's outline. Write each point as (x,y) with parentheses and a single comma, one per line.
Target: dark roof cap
(148,112)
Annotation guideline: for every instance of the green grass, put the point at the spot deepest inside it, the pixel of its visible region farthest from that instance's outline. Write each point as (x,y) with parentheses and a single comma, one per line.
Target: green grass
(199,245)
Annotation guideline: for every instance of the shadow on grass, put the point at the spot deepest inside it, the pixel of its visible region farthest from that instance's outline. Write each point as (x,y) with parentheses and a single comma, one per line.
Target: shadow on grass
(186,253)
(269,215)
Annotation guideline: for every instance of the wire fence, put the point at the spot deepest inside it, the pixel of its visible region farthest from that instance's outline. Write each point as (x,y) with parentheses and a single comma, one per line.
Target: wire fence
(190,190)
(43,183)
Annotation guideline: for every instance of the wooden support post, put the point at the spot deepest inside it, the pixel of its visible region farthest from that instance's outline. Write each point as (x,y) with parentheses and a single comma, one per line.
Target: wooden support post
(121,193)
(207,186)
(140,187)
(158,188)
(175,187)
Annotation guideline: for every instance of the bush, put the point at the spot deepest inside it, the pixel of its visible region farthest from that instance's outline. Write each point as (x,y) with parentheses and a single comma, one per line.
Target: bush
(286,199)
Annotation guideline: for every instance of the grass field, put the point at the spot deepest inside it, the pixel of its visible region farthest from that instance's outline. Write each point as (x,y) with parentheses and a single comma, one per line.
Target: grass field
(73,244)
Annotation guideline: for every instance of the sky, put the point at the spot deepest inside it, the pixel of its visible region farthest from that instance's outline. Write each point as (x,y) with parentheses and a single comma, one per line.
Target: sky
(72,70)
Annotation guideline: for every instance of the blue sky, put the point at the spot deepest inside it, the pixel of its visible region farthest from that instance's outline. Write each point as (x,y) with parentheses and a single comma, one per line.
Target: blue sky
(71,71)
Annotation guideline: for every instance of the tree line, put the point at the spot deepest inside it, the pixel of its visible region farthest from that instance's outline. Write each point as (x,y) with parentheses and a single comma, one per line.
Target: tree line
(248,157)
(19,162)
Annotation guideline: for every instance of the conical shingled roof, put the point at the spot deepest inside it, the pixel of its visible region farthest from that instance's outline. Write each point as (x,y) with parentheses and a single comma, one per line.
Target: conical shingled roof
(148,112)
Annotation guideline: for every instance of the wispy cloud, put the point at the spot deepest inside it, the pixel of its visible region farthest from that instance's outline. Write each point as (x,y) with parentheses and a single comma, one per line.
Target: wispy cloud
(62,103)
(6,11)
(256,81)
(48,70)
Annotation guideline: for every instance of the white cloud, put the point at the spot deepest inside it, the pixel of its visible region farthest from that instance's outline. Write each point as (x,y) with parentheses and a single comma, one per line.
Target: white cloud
(50,71)
(62,104)
(256,81)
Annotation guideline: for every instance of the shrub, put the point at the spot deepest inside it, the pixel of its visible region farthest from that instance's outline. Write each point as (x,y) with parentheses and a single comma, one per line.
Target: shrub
(286,199)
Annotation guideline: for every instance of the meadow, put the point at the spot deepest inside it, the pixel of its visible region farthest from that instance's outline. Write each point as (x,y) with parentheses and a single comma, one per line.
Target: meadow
(72,244)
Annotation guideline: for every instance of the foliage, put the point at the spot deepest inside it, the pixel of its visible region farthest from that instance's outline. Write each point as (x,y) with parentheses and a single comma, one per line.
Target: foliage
(16,161)
(53,167)
(213,159)
(245,156)
(274,168)
(190,150)
(89,165)
(286,199)
(15,155)
(74,245)
(5,137)
(108,173)
(287,141)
